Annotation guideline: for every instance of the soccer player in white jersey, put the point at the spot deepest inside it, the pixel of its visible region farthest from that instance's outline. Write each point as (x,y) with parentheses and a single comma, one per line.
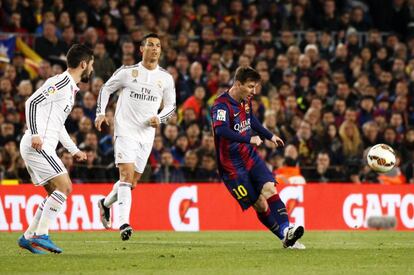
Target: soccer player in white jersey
(46,113)
(142,89)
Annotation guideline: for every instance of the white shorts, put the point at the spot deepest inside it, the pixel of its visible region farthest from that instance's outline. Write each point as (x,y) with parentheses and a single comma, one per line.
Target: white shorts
(42,165)
(129,150)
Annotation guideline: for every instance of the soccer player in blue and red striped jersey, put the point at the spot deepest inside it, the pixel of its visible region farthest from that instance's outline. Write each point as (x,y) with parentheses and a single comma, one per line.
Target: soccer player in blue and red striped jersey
(236,132)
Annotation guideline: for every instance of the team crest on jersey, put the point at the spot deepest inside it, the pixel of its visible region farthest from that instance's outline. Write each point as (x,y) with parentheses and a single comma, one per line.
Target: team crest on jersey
(134,73)
(159,84)
(51,90)
(221,115)
(247,108)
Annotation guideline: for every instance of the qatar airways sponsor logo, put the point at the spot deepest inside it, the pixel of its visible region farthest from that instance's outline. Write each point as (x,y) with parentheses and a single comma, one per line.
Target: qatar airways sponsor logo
(83,213)
(242,126)
(183,211)
(357,208)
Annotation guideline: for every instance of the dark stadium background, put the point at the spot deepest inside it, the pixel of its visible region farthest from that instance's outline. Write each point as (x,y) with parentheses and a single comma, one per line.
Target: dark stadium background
(337,79)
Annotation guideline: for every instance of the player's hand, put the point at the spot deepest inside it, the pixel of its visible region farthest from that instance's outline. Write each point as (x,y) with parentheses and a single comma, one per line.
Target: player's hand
(98,121)
(80,156)
(154,121)
(256,140)
(277,141)
(37,142)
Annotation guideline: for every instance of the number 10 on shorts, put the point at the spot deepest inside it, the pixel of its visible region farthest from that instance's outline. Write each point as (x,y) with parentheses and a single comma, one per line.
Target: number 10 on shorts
(240,192)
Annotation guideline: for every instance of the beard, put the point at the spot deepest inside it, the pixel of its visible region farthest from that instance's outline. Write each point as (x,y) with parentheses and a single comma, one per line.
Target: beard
(85,77)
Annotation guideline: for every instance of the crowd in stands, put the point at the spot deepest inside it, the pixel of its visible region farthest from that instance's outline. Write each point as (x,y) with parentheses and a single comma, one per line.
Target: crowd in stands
(337,78)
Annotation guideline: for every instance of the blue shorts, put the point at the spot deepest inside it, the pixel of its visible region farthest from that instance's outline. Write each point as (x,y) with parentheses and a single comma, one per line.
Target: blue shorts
(246,188)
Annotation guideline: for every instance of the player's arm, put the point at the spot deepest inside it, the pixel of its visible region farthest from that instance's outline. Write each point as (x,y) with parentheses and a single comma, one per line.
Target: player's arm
(220,116)
(169,105)
(45,94)
(68,143)
(262,131)
(111,86)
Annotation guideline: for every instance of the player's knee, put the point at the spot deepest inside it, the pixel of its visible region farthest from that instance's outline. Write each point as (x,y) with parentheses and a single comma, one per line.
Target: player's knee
(68,189)
(260,205)
(269,190)
(127,176)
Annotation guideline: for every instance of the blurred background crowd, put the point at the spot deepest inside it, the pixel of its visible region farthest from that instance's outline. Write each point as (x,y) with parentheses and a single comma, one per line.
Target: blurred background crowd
(337,78)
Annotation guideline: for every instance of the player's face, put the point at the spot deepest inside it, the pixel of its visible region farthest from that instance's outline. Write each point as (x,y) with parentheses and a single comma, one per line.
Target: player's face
(248,89)
(151,50)
(87,71)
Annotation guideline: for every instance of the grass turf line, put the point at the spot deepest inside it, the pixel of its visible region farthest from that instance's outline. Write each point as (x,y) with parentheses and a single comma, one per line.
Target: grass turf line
(362,252)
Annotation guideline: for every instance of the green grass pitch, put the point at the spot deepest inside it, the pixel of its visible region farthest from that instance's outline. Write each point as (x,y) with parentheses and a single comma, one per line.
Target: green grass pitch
(369,252)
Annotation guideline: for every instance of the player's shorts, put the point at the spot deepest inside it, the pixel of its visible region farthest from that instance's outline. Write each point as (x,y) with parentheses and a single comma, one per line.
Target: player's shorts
(42,165)
(129,150)
(246,188)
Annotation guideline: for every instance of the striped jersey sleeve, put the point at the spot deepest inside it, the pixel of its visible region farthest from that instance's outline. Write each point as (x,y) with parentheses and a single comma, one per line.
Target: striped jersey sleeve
(169,100)
(111,86)
(51,90)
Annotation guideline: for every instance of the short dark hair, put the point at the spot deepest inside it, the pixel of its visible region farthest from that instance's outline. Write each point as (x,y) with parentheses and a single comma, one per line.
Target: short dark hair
(244,74)
(150,35)
(78,53)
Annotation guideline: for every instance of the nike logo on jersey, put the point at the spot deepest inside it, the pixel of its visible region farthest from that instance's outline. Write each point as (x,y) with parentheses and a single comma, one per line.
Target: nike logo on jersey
(236,114)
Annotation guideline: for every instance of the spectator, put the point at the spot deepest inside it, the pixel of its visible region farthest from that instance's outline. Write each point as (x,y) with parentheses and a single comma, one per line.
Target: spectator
(208,169)
(92,170)
(167,172)
(323,172)
(190,169)
(103,64)
(180,148)
(49,45)
(351,140)
(290,173)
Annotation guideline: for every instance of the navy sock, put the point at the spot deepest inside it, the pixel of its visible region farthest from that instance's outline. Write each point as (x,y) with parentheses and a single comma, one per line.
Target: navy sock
(269,221)
(279,212)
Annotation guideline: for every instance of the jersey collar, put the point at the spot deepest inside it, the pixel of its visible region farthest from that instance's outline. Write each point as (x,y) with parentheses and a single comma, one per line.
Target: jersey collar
(73,86)
(143,67)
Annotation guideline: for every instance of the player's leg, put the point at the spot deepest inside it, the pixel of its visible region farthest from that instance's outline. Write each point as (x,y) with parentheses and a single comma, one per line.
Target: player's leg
(265,216)
(42,167)
(277,207)
(126,175)
(244,191)
(23,240)
(142,153)
(125,153)
(105,206)
(290,234)
(58,189)
(264,182)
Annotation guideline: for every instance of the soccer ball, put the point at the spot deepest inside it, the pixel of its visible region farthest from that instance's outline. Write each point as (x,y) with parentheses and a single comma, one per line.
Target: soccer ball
(381,158)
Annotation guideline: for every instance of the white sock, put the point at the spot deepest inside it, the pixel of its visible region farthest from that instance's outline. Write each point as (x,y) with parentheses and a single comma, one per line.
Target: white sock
(112,196)
(50,211)
(35,222)
(124,202)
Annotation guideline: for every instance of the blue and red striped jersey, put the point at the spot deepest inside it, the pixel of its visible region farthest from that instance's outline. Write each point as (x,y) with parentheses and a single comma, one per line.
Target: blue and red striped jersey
(233,156)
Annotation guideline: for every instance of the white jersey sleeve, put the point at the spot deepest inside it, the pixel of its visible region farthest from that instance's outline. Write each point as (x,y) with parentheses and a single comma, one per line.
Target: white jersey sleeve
(46,94)
(67,142)
(168,99)
(111,86)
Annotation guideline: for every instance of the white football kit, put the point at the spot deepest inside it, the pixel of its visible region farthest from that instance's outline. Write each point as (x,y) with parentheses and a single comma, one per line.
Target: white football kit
(140,97)
(46,113)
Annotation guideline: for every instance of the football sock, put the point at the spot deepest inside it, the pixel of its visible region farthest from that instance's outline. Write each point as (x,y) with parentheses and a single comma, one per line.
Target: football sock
(112,196)
(35,222)
(51,209)
(124,202)
(269,221)
(278,209)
